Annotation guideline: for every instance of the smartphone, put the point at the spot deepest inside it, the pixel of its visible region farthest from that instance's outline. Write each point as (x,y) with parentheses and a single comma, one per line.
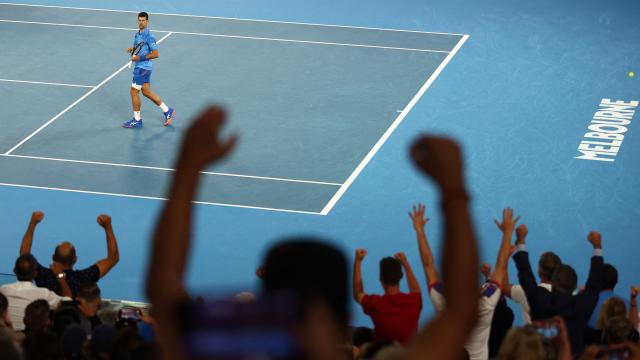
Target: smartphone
(548,329)
(229,329)
(614,352)
(129,314)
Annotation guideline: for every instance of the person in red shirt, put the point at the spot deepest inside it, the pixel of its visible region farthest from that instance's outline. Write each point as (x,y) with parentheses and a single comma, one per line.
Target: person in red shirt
(395,314)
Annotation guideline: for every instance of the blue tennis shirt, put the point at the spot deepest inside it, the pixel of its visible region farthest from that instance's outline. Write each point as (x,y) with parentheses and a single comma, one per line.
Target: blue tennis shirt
(148,48)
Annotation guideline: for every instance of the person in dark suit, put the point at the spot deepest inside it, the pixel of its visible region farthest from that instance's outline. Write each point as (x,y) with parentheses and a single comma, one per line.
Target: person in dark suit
(561,301)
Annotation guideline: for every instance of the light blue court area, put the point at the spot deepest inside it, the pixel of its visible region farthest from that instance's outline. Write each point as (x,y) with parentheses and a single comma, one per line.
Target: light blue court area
(314,102)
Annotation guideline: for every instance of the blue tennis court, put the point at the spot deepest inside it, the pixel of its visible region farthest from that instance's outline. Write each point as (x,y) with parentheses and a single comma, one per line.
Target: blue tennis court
(292,89)
(325,96)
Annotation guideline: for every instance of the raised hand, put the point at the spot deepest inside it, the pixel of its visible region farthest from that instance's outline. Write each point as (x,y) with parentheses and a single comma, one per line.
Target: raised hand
(104,220)
(202,143)
(37,216)
(508,222)
(521,233)
(485,270)
(400,257)
(439,158)
(595,239)
(360,254)
(634,291)
(417,217)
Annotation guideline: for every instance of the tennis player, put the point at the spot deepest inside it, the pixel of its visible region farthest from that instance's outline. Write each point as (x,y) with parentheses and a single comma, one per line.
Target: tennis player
(142,73)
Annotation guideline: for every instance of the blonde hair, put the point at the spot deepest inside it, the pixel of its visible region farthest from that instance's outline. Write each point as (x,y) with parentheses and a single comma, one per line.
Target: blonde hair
(611,307)
(522,343)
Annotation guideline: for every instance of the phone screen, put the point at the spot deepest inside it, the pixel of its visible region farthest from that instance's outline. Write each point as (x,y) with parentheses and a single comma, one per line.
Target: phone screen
(129,314)
(227,329)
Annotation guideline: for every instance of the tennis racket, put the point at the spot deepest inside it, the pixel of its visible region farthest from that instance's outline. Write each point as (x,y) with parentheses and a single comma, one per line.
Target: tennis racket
(135,51)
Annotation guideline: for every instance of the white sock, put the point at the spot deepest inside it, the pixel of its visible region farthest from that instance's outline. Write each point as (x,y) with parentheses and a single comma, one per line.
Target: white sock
(136,115)
(164,107)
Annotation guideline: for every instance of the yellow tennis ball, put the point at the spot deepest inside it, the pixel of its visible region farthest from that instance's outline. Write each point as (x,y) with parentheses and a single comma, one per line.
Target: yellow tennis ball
(632,74)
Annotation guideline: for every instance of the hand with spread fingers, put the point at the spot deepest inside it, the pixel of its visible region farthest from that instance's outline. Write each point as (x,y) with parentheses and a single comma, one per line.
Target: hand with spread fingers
(508,223)
(418,218)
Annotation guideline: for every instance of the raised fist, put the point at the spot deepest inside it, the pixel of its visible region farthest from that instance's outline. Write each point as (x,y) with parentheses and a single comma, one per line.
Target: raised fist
(439,158)
(400,257)
(104,220)
(485,270)
(521,232)
(360,254)
(595,239)
(37,216)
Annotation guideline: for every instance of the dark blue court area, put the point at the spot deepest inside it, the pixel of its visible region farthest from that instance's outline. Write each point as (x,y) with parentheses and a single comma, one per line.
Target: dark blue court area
(325,97)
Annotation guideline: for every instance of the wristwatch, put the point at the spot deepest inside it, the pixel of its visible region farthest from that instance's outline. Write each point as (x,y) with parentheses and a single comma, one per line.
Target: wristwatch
(61,275)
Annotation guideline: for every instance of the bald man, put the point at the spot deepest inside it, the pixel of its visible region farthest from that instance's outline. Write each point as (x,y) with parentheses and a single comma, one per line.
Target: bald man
(64,258)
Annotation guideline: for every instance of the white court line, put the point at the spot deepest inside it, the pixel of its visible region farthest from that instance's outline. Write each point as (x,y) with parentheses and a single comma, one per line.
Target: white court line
(72,25)
(72,105)
(239,19)
(230,36)
(390,130)
(44,83)
(157,198)
(168,169)
(310,42)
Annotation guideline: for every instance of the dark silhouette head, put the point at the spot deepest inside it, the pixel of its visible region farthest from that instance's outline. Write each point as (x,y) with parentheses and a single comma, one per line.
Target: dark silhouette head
(65,254)
(313,271)
(548,262)
(89,292)
(26,267)
(390,271)
(37,316)
(617,331)
(564,280)
(609,277)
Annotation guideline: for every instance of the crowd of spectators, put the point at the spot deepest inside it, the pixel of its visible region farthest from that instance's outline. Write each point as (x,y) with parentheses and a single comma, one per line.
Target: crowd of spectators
(302,309)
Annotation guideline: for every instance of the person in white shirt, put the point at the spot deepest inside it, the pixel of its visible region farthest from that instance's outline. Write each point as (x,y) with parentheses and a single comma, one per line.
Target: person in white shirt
(23,292)
(477,345)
